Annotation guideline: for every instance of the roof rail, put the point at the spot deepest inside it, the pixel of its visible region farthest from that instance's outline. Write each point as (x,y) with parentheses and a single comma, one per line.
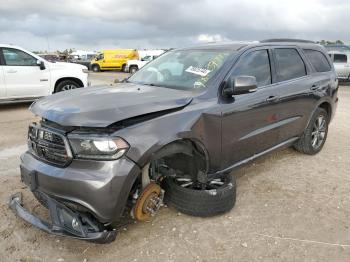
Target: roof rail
(286,40)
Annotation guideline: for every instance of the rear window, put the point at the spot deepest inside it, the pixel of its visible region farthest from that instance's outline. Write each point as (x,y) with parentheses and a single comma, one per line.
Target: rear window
(289,64)
(340,58)
(318,60)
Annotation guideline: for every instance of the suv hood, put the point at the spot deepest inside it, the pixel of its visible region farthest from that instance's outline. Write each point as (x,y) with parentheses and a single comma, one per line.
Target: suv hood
(103,106)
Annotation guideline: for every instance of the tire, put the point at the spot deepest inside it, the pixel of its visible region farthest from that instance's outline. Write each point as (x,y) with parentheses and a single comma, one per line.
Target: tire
(95,68)
(202,203)
(305,142)
(66,85)
(123,68)
(133,70)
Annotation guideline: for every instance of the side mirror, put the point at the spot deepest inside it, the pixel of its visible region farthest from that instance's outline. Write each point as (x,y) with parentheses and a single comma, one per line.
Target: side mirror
(41,64)
(240,85)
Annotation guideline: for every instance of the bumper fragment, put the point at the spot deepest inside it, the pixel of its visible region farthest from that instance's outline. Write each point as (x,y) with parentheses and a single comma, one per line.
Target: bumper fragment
(64,222)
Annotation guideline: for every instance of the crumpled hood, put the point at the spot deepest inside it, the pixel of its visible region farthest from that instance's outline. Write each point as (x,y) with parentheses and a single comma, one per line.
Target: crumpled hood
(103,106)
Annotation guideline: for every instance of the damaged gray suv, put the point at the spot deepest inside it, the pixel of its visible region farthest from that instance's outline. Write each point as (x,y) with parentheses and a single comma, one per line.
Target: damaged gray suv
(172,133)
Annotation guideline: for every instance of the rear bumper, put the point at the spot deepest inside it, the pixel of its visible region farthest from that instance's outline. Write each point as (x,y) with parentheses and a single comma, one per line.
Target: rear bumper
(64,222)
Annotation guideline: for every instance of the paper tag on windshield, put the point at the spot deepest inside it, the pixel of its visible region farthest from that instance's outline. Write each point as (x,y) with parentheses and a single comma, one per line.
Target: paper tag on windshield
(198,71)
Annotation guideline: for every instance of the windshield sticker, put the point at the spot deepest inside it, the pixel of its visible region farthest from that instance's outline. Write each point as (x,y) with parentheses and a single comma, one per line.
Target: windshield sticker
(198,71)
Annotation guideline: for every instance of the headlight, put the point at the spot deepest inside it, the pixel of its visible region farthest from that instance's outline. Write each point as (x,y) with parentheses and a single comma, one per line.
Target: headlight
(85,70)
(97,147)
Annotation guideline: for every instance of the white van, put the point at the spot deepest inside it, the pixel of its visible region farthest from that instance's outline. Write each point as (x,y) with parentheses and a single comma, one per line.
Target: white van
(24,76)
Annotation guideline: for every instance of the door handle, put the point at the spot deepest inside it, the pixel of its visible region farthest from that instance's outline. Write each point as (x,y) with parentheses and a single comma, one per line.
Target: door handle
(11,71)
(271,98)
(314,87)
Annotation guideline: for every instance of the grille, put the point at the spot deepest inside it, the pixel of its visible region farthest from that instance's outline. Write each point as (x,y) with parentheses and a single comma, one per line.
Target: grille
(48,145)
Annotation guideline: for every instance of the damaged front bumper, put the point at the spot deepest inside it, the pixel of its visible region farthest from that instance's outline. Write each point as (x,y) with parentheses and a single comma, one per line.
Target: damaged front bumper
(64,221)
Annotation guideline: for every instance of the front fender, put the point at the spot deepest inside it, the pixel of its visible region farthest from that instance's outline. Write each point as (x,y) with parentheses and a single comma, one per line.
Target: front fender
(149,137)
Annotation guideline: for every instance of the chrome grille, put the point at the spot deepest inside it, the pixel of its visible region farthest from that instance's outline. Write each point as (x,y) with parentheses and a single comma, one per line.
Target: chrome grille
(48,145)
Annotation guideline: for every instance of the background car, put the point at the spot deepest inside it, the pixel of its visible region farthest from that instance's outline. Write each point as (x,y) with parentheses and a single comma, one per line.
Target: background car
(50,58)
(341,61)
(113,59)
(340,48)
(25,76)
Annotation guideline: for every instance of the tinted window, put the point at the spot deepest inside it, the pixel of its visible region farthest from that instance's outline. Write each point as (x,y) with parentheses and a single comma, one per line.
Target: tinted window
(339,58)
(256,64)
(289,64)
(14,57)
(318,60)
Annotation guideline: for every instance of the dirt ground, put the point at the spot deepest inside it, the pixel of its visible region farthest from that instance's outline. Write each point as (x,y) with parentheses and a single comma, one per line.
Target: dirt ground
(290,207)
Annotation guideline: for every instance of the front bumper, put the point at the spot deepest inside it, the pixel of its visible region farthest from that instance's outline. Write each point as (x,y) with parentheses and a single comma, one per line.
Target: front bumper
(100,187)
(64,222)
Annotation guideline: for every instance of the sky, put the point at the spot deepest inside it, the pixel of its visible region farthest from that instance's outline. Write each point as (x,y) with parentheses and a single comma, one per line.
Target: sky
(101,24)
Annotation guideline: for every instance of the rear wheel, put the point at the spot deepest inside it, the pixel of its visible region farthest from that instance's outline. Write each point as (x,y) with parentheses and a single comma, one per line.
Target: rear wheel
(315,135)
(95,68)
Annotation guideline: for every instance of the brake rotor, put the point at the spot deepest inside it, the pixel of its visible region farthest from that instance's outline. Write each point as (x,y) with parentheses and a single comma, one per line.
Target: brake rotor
(149,202)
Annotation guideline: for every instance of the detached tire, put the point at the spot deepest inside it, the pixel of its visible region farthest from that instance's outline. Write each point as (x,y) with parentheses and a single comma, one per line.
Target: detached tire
(202,203)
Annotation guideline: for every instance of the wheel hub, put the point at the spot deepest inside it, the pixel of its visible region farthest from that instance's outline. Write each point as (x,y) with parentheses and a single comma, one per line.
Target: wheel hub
(149,202)
(68,87)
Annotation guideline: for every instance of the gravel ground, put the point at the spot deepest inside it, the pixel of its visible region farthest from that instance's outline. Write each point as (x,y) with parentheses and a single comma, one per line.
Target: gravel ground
(290,207)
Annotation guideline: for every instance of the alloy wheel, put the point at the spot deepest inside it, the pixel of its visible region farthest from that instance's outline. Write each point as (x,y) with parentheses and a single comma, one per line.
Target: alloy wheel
(318,133)
(68,87)
(189,183)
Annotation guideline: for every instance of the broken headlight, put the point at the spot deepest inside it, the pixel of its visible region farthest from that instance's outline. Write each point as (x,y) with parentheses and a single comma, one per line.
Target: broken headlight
(97,147)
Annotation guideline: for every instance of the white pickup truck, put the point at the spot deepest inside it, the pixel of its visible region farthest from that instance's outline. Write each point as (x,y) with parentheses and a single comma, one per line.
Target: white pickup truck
(146,55)
(25,76)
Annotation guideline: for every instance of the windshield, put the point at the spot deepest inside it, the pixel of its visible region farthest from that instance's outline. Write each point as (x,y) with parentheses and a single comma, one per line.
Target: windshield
(146,58)
(183,69)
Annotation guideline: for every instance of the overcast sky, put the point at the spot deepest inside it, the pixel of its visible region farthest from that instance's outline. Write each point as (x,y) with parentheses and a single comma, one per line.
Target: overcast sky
(97,24)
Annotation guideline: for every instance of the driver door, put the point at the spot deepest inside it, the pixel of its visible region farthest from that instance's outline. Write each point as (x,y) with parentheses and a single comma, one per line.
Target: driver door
(249,120)
(23,77)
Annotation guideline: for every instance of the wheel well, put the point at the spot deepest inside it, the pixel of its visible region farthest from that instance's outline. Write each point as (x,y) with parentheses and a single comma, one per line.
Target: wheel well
(77,80)
(183,155)
(326,106)
(134,66)
(176,155)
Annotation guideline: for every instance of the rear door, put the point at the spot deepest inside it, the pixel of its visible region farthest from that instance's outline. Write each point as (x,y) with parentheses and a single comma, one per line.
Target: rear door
(23,77)
(295,84)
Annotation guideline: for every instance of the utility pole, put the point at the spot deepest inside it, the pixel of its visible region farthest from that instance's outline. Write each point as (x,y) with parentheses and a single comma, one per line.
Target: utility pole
(48,44)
